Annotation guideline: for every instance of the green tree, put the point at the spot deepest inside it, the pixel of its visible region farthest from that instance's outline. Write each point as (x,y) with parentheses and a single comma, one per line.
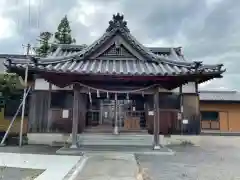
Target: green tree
(9,84)
(63,34)
(45,46)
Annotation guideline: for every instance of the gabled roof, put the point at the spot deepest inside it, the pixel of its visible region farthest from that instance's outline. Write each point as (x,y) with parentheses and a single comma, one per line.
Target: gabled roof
(60,50)
(155,62)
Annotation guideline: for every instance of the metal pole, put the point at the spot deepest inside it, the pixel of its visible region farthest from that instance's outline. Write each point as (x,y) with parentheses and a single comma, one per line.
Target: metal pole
(24,99)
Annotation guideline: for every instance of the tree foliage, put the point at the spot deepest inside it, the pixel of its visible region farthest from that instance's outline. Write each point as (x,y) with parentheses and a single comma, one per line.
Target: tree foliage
(9,84)
(63,34)
(45,46)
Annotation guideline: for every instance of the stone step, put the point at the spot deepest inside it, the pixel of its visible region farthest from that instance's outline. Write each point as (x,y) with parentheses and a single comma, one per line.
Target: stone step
(110,139)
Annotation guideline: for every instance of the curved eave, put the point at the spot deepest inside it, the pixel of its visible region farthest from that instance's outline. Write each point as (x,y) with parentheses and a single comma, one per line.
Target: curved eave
(40,68)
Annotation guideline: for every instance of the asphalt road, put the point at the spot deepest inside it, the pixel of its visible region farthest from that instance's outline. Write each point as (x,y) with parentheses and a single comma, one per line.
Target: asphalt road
(217,158)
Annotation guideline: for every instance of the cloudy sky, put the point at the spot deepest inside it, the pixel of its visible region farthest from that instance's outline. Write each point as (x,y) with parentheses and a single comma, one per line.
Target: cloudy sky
(208,30)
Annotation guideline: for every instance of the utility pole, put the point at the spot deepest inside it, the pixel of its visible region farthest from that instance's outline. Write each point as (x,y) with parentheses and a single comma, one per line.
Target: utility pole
(24,97)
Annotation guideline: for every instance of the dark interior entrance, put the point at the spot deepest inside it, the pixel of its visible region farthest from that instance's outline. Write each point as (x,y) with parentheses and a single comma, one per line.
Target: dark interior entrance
(130,115)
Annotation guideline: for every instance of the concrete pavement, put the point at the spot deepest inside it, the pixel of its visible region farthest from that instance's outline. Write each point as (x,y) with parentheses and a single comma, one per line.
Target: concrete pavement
(109,166)
(215,158)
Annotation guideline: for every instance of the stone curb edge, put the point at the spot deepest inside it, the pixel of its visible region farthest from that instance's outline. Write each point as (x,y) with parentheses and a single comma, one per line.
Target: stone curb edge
(76,169)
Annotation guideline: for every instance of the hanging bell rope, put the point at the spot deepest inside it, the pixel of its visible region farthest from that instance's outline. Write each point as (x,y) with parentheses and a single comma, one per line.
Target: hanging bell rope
(127,96)
(90,96)
(98,94)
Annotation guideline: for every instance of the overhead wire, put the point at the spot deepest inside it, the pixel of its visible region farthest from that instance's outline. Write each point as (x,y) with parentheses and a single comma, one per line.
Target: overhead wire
(39,14)
(29,14)
(18,21)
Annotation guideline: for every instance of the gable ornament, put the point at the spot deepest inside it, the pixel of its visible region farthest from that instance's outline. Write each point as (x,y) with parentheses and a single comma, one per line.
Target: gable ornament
(117,22)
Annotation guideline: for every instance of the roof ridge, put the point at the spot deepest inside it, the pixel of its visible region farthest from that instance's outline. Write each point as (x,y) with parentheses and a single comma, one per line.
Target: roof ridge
(218,91)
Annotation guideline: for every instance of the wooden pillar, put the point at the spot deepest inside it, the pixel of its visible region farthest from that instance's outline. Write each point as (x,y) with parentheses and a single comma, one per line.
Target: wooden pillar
(115,131)
(198,116)
(156,144)
(82,109)
(49,123)
(181,108)
(75,118)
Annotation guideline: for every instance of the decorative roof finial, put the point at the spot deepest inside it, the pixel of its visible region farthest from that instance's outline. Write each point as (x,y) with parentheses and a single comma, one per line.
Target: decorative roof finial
(117,22)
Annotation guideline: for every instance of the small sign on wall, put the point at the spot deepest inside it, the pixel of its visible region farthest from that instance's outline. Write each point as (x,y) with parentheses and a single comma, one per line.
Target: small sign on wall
(179,116)
(65,113)
(185,121)
(105,114)
(150,113)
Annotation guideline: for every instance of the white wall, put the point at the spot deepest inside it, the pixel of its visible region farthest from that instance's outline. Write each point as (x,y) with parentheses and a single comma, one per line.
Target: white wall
(41,84)
(187,88)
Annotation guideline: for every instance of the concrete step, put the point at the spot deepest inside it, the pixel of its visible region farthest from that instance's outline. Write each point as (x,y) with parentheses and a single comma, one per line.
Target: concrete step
(110,139)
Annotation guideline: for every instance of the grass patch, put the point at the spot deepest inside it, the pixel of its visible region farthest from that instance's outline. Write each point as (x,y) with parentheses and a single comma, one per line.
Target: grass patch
(11,173)
(186,143)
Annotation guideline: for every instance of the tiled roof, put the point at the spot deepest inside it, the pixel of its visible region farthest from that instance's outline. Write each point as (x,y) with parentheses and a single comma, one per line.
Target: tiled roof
(157,61)
(60,50)
(3,57)
(219,96)
(118,67)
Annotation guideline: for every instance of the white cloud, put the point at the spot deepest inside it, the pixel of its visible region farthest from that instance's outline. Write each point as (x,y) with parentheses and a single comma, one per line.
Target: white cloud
(208,30)
(85,12)
(7,29)
(212,3)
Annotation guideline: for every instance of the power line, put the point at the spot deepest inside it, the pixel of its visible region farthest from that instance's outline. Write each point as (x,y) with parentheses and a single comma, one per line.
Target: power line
(18,21)
(29,14)
(39,14)
(25,78)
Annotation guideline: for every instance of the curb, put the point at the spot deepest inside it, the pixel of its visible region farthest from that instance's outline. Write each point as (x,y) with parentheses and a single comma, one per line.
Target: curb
(74,172)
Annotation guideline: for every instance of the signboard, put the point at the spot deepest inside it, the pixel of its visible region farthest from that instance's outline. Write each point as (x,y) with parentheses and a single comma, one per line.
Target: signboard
(185,121)
(179,116)
(151,113)
(65,113)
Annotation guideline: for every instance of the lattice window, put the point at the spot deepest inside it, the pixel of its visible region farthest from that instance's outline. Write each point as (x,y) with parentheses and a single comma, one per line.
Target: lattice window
(117,51)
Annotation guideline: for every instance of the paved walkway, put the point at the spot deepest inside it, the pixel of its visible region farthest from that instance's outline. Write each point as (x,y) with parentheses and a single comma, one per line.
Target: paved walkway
(109,166)
(215,158)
